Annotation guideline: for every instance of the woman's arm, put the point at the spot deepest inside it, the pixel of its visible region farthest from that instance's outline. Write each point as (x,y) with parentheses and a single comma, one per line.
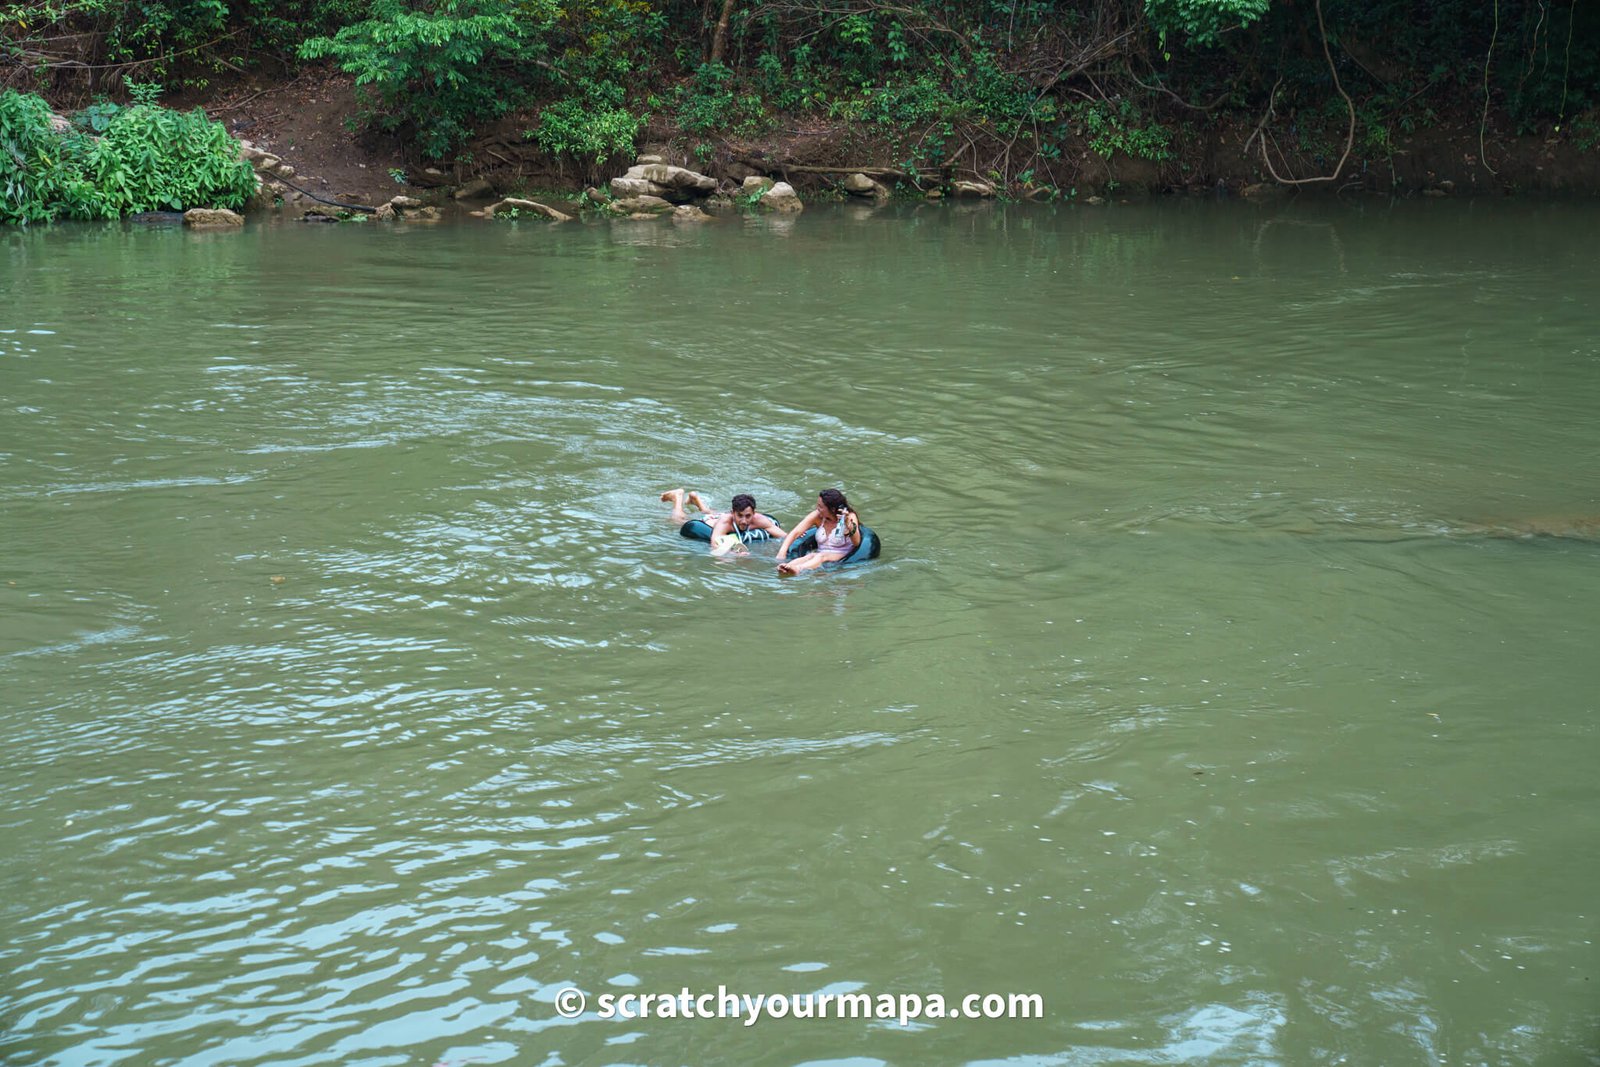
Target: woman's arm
(852,526)
(799,528)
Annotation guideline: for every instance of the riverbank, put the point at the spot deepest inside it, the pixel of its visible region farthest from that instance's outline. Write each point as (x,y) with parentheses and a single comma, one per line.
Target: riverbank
(309,122)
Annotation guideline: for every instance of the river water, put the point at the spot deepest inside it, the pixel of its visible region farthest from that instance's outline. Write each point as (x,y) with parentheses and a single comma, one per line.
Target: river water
(1227,680)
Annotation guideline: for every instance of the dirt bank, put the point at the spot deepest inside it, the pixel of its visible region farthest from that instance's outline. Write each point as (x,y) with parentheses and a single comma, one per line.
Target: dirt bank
(309,122)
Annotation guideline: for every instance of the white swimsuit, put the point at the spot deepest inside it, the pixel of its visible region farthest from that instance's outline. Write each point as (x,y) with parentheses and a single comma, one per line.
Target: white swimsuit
(837,541)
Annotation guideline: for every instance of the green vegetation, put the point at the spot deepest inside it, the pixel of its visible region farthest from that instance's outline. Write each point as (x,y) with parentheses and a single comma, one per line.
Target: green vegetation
(972,87)
(113,161)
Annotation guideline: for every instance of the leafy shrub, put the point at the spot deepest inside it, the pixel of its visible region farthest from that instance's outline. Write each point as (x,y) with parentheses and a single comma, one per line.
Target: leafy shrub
(442,71)
(1113,127)
(147,158)
(713,103)
(593,125)
(1201,22)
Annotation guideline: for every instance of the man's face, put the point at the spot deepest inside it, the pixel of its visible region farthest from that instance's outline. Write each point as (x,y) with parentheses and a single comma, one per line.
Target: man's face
(744,517)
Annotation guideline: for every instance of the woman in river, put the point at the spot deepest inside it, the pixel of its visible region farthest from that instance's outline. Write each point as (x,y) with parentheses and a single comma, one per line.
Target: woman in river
(838,534)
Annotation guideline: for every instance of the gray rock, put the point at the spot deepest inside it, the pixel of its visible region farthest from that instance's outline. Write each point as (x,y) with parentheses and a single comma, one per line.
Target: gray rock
(637,187)
(971,190)
(646,160)
(527,207)
(476,189)
(385,213)
(404,202)
(756,186)
(263,199)
(861,185)
(782,199)
(640,205)
(212,218)
(689,213)
(595,196)
(679,179)
(282,170)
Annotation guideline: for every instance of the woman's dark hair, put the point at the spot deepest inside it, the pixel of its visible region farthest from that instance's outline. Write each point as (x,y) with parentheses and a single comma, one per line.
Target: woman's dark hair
(833,499)
(742,501)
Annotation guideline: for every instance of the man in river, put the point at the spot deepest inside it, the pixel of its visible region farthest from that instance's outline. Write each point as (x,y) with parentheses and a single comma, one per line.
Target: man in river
(740,520)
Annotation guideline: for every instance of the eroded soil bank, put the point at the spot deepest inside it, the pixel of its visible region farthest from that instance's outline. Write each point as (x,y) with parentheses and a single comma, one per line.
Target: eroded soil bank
(309,122)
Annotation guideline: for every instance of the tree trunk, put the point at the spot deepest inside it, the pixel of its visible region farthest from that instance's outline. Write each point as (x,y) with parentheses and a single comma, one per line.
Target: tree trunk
(719,40)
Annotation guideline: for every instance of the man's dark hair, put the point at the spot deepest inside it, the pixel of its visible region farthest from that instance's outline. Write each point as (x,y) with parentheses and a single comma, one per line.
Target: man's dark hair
(834,499)
(742,501)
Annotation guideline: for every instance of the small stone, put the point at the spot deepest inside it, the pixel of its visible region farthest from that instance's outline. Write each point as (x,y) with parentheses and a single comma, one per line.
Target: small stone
(689,213)
(385,213)
(646,160)
(405,201)
(756,186)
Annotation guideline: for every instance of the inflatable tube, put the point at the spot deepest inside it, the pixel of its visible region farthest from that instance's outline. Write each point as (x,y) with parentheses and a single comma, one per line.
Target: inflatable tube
(869,548)
(700,530)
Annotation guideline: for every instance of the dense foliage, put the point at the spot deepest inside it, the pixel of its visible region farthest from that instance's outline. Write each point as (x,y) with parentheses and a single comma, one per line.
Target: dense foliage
(113,161)
(990,87)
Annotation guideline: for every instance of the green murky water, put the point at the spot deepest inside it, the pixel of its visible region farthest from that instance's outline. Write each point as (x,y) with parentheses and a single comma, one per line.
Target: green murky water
(1194,691)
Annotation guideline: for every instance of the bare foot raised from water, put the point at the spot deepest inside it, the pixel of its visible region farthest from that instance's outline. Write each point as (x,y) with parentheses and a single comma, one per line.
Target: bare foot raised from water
(699,501)
(675,498)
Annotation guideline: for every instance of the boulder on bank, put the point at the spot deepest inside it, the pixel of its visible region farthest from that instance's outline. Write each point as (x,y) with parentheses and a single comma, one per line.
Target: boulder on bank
(782,199)
(212,218)
(860,185)
(429,178)
(639,205)
(476,189)
(677,184)
(530,207)
(756,186)
(971,190)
